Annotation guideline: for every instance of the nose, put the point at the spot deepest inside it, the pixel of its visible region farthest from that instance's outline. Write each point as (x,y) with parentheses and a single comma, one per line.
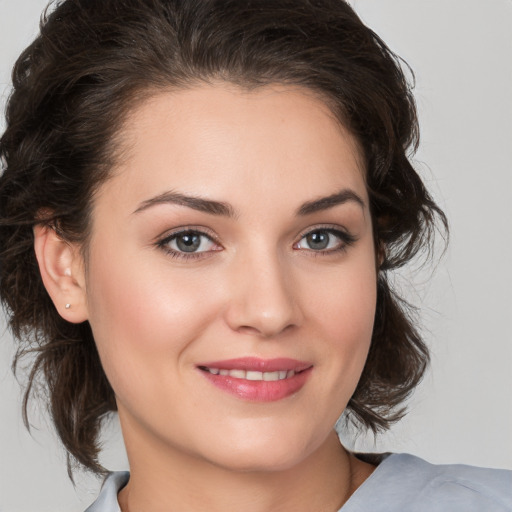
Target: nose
(263,298)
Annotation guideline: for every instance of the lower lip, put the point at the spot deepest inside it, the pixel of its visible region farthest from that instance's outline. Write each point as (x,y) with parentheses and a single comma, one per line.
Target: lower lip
(259,390)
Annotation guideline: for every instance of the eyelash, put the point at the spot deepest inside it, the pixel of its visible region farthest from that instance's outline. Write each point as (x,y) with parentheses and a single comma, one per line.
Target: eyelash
(164,243)
(346,240)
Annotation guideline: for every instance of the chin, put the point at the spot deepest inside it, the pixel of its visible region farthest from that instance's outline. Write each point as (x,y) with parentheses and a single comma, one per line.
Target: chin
(258,452)
(246,461)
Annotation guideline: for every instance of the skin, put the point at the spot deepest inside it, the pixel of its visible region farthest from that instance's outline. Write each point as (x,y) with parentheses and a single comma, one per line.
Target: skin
(256,288)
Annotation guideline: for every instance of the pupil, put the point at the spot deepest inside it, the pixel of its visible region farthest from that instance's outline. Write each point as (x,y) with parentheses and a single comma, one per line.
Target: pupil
(188,243)
(318,240)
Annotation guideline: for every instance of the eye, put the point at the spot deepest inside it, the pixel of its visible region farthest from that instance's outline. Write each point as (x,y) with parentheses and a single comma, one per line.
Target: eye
(325,240)
(188,243)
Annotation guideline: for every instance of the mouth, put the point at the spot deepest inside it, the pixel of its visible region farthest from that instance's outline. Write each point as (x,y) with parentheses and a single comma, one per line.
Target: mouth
(254,379)
(251,374)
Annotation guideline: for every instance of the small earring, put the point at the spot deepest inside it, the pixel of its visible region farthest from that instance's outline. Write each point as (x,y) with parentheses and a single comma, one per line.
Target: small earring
(68,306)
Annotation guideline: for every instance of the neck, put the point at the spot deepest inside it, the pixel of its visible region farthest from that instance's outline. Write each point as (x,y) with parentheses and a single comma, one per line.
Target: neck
(176,481)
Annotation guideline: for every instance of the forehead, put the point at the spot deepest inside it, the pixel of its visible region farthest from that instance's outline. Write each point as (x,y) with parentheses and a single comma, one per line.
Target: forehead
(224,141)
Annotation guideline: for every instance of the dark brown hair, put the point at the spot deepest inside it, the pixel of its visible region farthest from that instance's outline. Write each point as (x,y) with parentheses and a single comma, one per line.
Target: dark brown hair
(92,63)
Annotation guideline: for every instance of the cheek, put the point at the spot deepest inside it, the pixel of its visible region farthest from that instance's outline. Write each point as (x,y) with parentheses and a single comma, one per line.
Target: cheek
(143,318)
(345,310)
(346,299)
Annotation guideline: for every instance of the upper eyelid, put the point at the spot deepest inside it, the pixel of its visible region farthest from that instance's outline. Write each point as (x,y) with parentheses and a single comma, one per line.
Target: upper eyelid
(333,228)
(201,230)
(163,243)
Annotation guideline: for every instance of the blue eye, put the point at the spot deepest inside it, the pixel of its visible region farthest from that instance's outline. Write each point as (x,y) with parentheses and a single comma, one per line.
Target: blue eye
(188,243)
(326,240)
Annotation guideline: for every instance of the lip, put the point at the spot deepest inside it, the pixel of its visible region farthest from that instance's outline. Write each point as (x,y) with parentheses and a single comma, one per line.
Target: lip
(259,365)
(258,390)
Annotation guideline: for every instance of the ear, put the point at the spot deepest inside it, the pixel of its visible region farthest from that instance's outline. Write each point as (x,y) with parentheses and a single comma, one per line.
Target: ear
(380,255)
(62,271)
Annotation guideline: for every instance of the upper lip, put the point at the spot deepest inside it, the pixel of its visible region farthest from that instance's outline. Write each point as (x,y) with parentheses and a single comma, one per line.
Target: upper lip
(259,365)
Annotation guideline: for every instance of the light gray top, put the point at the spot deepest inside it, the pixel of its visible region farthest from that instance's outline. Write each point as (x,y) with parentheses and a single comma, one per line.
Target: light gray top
(400,483)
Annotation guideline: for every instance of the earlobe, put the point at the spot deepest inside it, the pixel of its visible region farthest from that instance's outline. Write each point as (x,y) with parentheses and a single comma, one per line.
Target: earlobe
(61,267)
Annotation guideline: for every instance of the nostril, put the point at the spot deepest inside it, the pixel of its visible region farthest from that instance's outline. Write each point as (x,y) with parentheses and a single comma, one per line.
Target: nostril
(264,331)
(246,329)
(262,304)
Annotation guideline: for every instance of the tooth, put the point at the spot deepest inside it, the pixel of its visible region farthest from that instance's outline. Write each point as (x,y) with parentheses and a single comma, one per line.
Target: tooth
(254,375)
(237,374)
(251,375)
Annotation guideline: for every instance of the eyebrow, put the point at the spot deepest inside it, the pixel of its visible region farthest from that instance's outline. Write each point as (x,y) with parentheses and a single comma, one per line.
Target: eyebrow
(196,203)
(324,203)
(226,210)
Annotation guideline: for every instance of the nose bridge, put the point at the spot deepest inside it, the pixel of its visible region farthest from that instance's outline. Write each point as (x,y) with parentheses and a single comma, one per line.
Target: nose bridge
(262,300)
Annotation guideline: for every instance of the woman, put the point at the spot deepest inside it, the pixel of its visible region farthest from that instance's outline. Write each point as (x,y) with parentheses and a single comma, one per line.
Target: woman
(200,202)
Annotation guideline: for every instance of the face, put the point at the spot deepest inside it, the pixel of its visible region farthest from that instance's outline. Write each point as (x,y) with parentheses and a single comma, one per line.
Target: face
(231,278)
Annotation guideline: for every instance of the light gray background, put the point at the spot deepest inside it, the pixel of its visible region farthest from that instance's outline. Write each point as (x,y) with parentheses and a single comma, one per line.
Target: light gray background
(461,52)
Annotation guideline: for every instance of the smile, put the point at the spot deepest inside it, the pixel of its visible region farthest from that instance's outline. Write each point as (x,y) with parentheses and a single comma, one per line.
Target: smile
(259,380)
(251,374)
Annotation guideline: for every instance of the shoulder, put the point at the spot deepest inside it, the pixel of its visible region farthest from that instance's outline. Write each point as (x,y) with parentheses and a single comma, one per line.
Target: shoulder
(406,482)
(455,484)
(107,499)
(400,482)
